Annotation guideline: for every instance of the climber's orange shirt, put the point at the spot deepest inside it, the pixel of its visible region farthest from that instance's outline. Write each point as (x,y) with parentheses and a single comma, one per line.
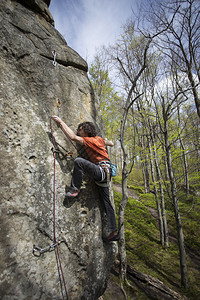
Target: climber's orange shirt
(95,148)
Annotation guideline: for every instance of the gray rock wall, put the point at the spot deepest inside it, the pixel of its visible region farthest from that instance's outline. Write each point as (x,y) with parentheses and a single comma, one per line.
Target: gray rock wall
(29,86)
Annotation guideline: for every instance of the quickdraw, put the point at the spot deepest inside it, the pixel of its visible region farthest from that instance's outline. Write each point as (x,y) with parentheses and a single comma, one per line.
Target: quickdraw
(54,57)
(64,155)
(58,106)
(37,251)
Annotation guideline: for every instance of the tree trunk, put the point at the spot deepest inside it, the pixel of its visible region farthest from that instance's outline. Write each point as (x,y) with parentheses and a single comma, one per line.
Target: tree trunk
(185,168)
(194,88)
(125,173)
(183,157)
(183,265)
(159,179)
(167,181)
(146,170)
(164,219)
(156,195)
(122,243)
(152,287)
(144,179)
(144,164)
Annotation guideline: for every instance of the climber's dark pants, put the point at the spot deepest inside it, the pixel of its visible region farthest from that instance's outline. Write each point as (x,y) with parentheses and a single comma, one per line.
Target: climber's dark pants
(84,166)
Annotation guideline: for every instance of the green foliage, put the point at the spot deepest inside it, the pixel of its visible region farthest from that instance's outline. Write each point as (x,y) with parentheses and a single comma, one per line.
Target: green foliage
(118,198)
(135,177)
(138,189)
(189,210)
(117,179)
(148,200)
(144,250)
(108,98)
(195,180)
(161,126)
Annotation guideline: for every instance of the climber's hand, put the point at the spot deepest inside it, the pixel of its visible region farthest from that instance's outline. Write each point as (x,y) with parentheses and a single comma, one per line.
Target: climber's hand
(57,120)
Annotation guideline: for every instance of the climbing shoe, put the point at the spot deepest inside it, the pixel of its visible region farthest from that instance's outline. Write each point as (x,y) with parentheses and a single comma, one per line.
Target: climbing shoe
(72,195)
(113,239)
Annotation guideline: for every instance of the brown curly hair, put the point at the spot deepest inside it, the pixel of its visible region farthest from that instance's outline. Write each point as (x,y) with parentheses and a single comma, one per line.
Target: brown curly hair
(89,128)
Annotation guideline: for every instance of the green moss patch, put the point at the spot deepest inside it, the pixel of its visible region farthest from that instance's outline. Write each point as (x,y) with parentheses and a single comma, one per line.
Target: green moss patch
(144,251)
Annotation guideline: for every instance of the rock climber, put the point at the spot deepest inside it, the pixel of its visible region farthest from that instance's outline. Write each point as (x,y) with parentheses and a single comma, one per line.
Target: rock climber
(97,166)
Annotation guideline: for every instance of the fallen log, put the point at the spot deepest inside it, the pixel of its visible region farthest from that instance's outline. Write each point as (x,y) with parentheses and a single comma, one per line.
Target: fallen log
(152,287)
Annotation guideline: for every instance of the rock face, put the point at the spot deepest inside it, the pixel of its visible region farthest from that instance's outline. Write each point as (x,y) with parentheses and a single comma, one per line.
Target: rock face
(29,86)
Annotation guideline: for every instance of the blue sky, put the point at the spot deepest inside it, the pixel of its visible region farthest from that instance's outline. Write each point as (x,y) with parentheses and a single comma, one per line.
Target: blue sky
(89,24)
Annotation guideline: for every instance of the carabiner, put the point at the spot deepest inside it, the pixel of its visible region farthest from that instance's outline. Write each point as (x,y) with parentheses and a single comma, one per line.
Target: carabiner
(54,57)
(37,251)
(58,106)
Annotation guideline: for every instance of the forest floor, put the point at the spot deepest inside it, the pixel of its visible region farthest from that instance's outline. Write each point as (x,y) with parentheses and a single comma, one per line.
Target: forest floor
(195,258)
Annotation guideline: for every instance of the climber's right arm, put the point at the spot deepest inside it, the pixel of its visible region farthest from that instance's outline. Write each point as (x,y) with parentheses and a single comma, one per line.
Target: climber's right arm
(67,131)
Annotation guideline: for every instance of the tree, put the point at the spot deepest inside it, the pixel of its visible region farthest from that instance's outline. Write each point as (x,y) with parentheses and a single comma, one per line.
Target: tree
(130,57)
(108,98)
(159,78)
(168,106)
(180,39)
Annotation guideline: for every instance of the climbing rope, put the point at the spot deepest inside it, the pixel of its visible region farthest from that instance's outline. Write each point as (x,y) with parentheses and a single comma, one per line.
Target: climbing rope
(38,251)
(58,260)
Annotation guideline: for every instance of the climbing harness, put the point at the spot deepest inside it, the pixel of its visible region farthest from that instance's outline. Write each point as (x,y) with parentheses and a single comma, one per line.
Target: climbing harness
(54,57)
(106,166)
(105,173)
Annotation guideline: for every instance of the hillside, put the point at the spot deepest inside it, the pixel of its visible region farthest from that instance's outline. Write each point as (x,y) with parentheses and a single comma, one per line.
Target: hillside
(144,252)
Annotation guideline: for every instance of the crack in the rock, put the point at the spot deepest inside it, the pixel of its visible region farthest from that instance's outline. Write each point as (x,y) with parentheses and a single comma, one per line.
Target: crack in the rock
(67,63)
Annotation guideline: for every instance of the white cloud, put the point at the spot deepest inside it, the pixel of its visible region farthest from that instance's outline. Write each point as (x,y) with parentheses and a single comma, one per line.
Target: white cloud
(89,24)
